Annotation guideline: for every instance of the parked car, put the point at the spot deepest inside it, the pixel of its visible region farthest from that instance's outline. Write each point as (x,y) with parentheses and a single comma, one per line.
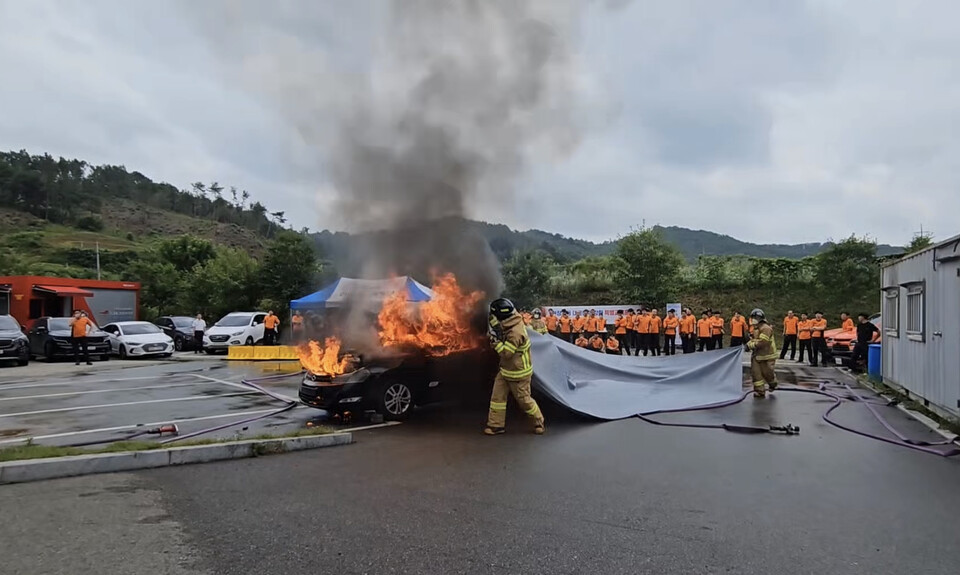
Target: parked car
(393,385)
(14,345)
(840,343)
(138,339)
(50,338)
(180,330)
(237,328)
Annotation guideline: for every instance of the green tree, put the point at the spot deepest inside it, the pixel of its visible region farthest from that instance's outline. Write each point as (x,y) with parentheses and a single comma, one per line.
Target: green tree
(920,241)
(162,285)
(186,252)
(289,269)
(650,270)
(225,283)
(848,273)
(526,276)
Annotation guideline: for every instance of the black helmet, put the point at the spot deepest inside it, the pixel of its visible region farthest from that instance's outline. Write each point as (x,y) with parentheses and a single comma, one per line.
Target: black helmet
(758,314)
(536,313)
(502,308)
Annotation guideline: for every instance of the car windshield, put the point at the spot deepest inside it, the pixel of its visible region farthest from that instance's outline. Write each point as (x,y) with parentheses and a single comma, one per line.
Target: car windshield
(62,324)
(182,322)
(7,323)
(234,321)
(139,328)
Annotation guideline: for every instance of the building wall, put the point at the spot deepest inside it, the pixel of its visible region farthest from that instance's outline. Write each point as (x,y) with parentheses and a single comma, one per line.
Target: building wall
(928,368)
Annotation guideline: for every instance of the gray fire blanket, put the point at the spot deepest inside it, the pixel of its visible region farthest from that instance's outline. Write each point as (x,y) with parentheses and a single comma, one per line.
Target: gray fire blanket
(615,386)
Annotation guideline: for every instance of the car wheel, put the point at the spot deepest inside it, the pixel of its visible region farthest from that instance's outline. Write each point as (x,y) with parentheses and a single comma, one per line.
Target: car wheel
(249,340)
(24,358)
(210,351)
(123,352)
(178,344)
(394,400)
(165,354)
(48,351)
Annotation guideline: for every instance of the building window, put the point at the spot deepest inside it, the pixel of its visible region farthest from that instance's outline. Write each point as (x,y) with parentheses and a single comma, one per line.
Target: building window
(915,312)
(891,312)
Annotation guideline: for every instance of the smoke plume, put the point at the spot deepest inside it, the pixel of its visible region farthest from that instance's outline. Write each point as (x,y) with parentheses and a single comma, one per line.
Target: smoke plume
(433,121)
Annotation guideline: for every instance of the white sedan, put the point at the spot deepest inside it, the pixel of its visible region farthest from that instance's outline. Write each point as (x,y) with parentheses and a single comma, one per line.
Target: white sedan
(137,339)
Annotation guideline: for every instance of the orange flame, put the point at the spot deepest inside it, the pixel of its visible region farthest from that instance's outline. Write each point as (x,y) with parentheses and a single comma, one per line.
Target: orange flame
(316,359)
(439,326)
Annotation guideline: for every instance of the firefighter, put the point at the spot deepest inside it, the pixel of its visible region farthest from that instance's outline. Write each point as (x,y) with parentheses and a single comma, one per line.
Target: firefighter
(642,326)
(656,324)
(601,324)
(508,336)
(688,330)
(803,336)
(703,331)
(590,323)
(621,332)
(578,322)
(552,322)
(596,343)
(670,325)
(818,345)
(582,341)
(566,326)
(763,357)
(527,317)
(738,329)
(632,340)
(537,323)
(613,345)
(791,325)
(271,323)
(716,329)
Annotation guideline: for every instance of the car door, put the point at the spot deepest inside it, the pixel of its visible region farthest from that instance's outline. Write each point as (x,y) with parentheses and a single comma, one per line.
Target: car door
(257,326)
(36,336)
(113,336)
(166,324)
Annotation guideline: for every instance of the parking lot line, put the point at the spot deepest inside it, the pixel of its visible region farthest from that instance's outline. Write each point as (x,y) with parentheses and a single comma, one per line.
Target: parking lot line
(239,385)
(118,389)
(72,382)
(127,403)
(134,426)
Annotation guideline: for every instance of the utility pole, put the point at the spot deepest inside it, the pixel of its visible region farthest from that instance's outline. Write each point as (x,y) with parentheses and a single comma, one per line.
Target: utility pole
(98,261)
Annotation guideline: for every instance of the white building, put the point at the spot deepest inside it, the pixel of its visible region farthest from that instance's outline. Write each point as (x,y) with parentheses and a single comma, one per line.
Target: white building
(921,326)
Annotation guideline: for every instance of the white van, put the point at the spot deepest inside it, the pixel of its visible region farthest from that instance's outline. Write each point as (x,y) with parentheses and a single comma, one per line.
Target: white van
(237,328)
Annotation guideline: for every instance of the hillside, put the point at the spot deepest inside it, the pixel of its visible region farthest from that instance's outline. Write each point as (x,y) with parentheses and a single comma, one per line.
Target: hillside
(692,243)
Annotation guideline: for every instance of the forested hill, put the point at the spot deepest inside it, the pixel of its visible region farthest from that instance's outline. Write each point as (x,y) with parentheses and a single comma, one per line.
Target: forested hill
(692,243)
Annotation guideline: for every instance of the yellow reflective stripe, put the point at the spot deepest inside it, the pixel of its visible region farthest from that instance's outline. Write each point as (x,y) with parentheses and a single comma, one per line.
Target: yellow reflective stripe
(525,358)
(498,348)
(520,374)
(498,406)
(494,322)
(768,357)
(766,337)
(535,410)
(509,347)
(524,346)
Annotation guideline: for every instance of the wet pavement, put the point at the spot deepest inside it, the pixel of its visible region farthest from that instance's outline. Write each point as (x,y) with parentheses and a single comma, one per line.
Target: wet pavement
(77,406)
(436,496)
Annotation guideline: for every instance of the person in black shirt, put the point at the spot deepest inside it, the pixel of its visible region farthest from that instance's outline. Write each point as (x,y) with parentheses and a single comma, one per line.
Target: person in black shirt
(867,333)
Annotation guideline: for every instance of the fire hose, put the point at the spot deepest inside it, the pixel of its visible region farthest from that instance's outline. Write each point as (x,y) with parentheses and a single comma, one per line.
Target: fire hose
(788,429)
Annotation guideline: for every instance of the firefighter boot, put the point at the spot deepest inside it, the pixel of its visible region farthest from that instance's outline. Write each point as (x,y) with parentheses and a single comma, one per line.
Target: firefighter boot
(494,431)
(538,427)
(773,386)
(758,390)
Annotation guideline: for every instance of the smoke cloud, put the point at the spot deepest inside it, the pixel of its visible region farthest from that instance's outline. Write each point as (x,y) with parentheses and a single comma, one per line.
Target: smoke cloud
(436,112)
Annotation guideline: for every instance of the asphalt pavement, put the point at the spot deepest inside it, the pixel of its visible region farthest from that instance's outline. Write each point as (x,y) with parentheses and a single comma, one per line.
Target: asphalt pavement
(436,496)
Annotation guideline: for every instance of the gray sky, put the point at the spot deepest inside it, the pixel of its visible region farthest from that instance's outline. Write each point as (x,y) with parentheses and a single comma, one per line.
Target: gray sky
(768,121)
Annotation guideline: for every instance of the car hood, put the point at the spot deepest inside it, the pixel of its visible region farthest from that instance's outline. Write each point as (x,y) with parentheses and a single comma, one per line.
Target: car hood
(220,330)
(839,334)
(11,334)
(147,338)
(67,333)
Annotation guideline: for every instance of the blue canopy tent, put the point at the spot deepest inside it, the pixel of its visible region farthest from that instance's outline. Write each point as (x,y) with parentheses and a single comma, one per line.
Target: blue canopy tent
(353,291)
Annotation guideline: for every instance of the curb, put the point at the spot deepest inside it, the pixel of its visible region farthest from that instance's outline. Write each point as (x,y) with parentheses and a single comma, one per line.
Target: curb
(915,415)
(73,465)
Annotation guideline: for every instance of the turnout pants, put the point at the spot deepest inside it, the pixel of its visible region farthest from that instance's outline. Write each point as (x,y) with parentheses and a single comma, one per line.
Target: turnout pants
(762,373)
(804,345)
(502,388)
(79,344)
(791,342)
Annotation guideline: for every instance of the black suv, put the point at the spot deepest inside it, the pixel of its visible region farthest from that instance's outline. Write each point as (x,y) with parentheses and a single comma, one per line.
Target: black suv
(180,330)
(393,385)
(14,345)
(50,338)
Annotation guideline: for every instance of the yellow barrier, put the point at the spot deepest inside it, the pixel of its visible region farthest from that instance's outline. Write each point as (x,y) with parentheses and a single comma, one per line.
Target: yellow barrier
(262,353)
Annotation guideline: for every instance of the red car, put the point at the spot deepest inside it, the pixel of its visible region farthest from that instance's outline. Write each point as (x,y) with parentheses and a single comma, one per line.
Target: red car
(840,343)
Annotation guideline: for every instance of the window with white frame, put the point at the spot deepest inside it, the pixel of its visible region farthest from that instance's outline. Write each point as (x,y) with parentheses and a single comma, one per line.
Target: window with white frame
(891,311)
(915,311)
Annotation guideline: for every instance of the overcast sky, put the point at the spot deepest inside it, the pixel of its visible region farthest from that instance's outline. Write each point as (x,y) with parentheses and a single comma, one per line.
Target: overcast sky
(773,122)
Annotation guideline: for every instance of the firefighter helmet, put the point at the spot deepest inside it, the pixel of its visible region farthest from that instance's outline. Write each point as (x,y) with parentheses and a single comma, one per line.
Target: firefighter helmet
(758,315)
(502,308)
(536,313)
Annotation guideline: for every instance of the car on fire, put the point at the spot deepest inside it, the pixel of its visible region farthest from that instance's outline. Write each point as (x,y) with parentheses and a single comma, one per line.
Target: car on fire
(392,385)
(840,343)
(236,328)
(50,337)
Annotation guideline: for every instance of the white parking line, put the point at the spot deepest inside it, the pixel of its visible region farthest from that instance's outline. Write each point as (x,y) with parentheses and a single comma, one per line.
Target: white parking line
(127,403)
(241,386)
(69,393)
(4,386)
(375,426)
(122,427)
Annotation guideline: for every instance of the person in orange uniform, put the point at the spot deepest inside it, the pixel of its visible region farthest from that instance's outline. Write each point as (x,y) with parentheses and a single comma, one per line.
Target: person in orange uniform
(296,327)
(688,330)
(601,326)
(581,341)
(527,317)
(620,325)
(613,345)
(270,331)
(803,336)
(642,325)
(632,340)
(703,332)
(817,344)
(566,326)
(579,321)
(79,326)
(553,322)
(670,325)
(846,322)
(738,329)
(717,330)
(596,343)
(791,327)
(590,323)
(656,326)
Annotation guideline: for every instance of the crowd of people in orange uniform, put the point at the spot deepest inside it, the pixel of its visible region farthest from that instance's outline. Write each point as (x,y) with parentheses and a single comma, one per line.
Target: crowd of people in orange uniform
(646,331)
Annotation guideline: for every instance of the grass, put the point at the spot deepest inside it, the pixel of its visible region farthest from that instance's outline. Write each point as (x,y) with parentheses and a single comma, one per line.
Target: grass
(31,450)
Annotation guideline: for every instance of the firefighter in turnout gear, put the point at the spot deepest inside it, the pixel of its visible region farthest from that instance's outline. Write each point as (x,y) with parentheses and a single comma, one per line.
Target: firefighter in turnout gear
(763,356)
(537,323)
(508,336)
